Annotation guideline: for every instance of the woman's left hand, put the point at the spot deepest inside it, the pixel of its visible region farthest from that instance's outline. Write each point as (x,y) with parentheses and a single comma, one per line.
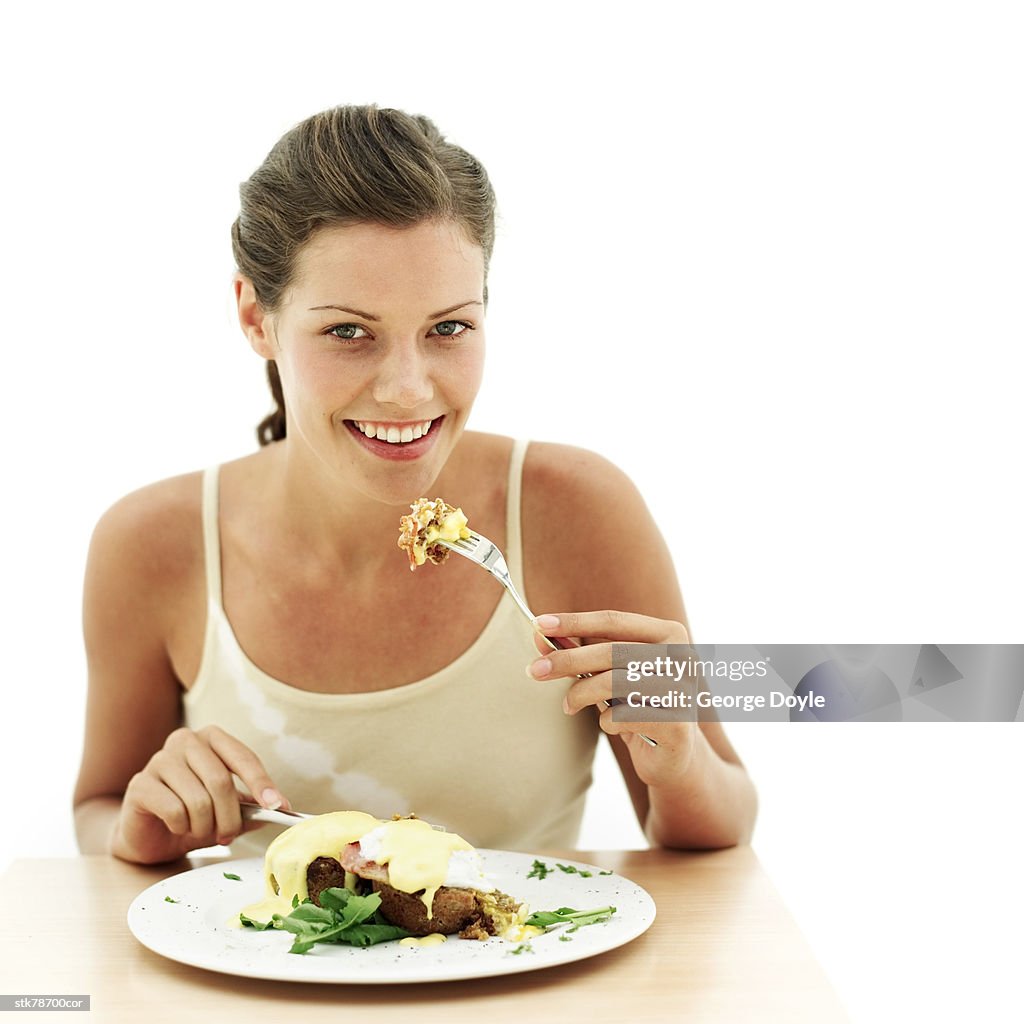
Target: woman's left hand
(597,631)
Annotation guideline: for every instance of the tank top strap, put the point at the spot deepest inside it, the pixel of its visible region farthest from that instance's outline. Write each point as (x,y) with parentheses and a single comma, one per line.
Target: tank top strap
(211,534)
(513,523)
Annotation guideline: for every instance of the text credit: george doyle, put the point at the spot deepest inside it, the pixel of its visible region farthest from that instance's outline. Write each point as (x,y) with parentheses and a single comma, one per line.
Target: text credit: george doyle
(818,682)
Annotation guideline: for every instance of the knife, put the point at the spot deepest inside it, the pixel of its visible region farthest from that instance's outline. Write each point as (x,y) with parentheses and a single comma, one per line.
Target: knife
(253,812)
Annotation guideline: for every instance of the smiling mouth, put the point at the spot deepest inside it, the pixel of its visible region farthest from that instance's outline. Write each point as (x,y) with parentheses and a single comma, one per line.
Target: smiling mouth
(395,433)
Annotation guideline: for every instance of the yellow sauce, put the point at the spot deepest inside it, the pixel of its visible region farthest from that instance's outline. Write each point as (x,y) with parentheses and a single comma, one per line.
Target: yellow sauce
(427,940)
(293,850)
(521,932)
(417,856)
(452,527)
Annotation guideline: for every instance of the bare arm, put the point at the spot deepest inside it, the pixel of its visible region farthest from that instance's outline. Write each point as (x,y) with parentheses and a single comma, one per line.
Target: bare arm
(691,791)
(148,790)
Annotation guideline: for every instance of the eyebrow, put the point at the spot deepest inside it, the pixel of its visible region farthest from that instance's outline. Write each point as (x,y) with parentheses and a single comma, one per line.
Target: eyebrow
(370,316)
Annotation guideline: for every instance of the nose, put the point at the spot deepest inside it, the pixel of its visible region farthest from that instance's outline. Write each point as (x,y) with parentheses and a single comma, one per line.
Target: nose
(403,379)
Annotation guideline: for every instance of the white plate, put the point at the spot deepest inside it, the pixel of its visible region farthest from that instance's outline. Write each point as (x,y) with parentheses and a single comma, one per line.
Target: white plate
(198,929)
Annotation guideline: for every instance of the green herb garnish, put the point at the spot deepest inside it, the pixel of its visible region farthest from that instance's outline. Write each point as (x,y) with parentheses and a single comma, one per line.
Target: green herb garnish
(570,870)
(547,919)
(523,947)
(540,870)
(341,917)
(167,899)
(234,878)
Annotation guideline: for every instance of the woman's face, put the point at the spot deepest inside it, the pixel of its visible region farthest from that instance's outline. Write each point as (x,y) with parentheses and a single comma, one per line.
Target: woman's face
(379,343)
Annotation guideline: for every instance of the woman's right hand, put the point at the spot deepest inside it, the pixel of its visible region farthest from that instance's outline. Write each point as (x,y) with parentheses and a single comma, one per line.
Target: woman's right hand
(185,798)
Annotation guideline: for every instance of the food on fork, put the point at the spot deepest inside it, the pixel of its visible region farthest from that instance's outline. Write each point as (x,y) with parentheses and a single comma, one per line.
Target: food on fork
(429,522)
(430,882)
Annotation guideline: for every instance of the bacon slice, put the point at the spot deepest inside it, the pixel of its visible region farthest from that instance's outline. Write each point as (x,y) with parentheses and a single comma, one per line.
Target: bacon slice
(352,859)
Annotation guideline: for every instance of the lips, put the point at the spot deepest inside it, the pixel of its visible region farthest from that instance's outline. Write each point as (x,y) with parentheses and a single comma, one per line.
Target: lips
(396,440)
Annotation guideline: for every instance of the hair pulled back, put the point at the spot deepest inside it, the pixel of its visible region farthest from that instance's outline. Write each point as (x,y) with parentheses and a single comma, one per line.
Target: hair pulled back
(347,165)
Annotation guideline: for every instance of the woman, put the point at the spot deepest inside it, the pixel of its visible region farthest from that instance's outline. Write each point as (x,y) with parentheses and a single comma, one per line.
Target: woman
(258,622)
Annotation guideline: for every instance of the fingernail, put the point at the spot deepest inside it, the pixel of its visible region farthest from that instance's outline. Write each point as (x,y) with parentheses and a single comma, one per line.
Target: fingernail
(539,669)
(543,622)
(565,705)
(272,800)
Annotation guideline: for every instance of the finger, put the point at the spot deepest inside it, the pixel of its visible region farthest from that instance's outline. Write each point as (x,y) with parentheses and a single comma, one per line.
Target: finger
(173,770)
(575,661)
(219,783)
(626,627)
(586,692)
(544,645)
(608,723)
(247,766)
(147,795)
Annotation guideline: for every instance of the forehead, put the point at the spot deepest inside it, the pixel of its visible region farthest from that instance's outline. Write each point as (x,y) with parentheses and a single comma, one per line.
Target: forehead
(378,262)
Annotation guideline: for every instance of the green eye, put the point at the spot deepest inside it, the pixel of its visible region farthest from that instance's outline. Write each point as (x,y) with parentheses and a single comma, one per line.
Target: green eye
(451,328)
(347,332)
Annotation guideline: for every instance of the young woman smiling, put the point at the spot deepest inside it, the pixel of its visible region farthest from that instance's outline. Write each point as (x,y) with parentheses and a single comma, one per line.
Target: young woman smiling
(256,623)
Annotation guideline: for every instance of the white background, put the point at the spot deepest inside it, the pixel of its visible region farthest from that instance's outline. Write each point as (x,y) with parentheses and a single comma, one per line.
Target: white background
(766,257)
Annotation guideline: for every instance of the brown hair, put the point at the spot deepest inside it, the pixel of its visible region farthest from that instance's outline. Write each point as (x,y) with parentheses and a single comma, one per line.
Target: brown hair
(343,166)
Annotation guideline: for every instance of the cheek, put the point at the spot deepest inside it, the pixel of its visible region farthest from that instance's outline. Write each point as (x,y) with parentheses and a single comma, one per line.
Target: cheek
(471,372)
(318,383)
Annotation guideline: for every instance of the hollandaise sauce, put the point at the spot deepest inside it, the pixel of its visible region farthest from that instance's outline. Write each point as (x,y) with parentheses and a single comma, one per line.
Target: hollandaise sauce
(426,940)
(291,853)
(417,856)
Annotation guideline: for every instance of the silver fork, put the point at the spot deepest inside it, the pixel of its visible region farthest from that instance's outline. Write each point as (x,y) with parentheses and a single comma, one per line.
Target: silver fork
(485,553)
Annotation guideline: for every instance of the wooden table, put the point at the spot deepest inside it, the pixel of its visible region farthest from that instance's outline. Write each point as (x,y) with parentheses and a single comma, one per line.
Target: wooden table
(723,948)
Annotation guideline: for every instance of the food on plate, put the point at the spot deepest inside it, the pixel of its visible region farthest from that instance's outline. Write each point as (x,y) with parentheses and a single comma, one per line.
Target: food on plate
(429,522)
(423,880)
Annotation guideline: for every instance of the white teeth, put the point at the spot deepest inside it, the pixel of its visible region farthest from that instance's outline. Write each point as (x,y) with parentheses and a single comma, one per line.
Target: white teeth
(394,435)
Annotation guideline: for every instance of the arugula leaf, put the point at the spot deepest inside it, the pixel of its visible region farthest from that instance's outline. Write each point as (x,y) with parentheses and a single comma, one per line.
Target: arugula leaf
(370,934)
(260,926)
(343,916)
(310,913)
(547,919)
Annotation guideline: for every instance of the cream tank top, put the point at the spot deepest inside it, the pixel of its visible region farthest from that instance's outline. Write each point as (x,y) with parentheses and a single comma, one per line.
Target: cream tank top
(477,747)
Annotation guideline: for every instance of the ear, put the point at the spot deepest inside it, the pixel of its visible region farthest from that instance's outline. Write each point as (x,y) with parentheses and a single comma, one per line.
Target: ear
(255,323)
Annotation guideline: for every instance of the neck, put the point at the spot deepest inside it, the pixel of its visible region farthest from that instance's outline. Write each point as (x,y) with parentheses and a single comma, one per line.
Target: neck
(333,523)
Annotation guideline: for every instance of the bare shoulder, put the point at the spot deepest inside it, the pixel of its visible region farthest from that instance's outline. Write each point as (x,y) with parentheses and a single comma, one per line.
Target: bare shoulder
(145,551)
(562,474)
(590,539)
(153,530)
